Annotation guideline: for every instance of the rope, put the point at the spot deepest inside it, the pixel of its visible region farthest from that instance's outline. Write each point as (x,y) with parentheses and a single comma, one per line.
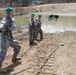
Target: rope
(23,70)
(45,61)
(27,51)
(48,58)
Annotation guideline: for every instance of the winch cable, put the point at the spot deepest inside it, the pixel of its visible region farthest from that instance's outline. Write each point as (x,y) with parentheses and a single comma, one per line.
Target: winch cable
(45,61)
(49,56)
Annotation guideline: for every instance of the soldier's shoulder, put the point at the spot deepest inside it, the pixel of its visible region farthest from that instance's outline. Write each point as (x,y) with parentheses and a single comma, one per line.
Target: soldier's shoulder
(4,18)
(13,19)
(37,18)
(30,19)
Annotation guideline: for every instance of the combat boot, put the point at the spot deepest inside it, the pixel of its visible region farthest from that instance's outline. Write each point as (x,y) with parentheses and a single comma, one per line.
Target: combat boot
(16,60)
(3,70)
(34,43)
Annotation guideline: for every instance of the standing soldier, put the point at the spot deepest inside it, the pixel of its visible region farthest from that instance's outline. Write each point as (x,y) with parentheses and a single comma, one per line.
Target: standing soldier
(38,28)
(32,23)
(7,39)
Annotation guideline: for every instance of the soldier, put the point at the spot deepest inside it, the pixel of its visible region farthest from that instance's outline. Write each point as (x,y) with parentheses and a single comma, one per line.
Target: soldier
(38,28)
(32,23)
(7,39)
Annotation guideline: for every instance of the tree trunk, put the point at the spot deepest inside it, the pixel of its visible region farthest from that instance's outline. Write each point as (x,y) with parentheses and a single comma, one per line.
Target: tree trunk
(11,3)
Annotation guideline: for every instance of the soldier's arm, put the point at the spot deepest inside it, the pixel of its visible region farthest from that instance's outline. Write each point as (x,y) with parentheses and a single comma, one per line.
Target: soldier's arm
(4,24)
(3,21)
(30,23)
(38,22)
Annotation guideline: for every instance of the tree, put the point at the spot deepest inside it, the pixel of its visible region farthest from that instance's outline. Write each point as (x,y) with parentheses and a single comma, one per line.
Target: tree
(25,2)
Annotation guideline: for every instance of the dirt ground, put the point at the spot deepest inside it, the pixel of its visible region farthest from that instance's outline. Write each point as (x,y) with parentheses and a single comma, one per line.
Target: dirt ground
(46,62)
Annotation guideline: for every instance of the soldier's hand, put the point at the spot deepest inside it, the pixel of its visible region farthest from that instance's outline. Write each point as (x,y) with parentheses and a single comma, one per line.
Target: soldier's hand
(8,30)
(0,30)
(32,26)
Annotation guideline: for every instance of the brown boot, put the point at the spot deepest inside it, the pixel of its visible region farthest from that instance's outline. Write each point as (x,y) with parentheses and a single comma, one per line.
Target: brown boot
(15,60)
(3,70)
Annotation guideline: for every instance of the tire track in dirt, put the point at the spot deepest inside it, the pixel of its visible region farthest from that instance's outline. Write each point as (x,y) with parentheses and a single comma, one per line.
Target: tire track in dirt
(38,53)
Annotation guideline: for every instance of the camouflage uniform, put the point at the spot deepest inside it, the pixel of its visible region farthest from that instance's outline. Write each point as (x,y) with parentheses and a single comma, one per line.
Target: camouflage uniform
(32,30)
(38,29)
(7,39)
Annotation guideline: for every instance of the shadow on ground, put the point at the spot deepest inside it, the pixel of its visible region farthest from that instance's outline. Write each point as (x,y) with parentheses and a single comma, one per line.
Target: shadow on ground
(10,68)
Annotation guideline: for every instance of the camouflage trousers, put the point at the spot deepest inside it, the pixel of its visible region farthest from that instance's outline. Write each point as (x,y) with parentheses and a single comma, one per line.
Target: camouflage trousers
(32,34)
(7,41)
(39,31)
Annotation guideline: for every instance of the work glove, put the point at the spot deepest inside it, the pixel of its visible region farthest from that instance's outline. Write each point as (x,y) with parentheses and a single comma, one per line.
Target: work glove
(8,29)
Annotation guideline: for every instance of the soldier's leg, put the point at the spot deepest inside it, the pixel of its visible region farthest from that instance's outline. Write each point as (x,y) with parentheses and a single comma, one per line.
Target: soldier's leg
(36,33)
(15,44)
(30,35)
(4,46)
(31,32)
(33,36)
(41,34)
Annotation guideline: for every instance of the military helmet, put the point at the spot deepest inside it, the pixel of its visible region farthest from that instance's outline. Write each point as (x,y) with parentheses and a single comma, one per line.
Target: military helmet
(39,15)
(9,10)
(32,14)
